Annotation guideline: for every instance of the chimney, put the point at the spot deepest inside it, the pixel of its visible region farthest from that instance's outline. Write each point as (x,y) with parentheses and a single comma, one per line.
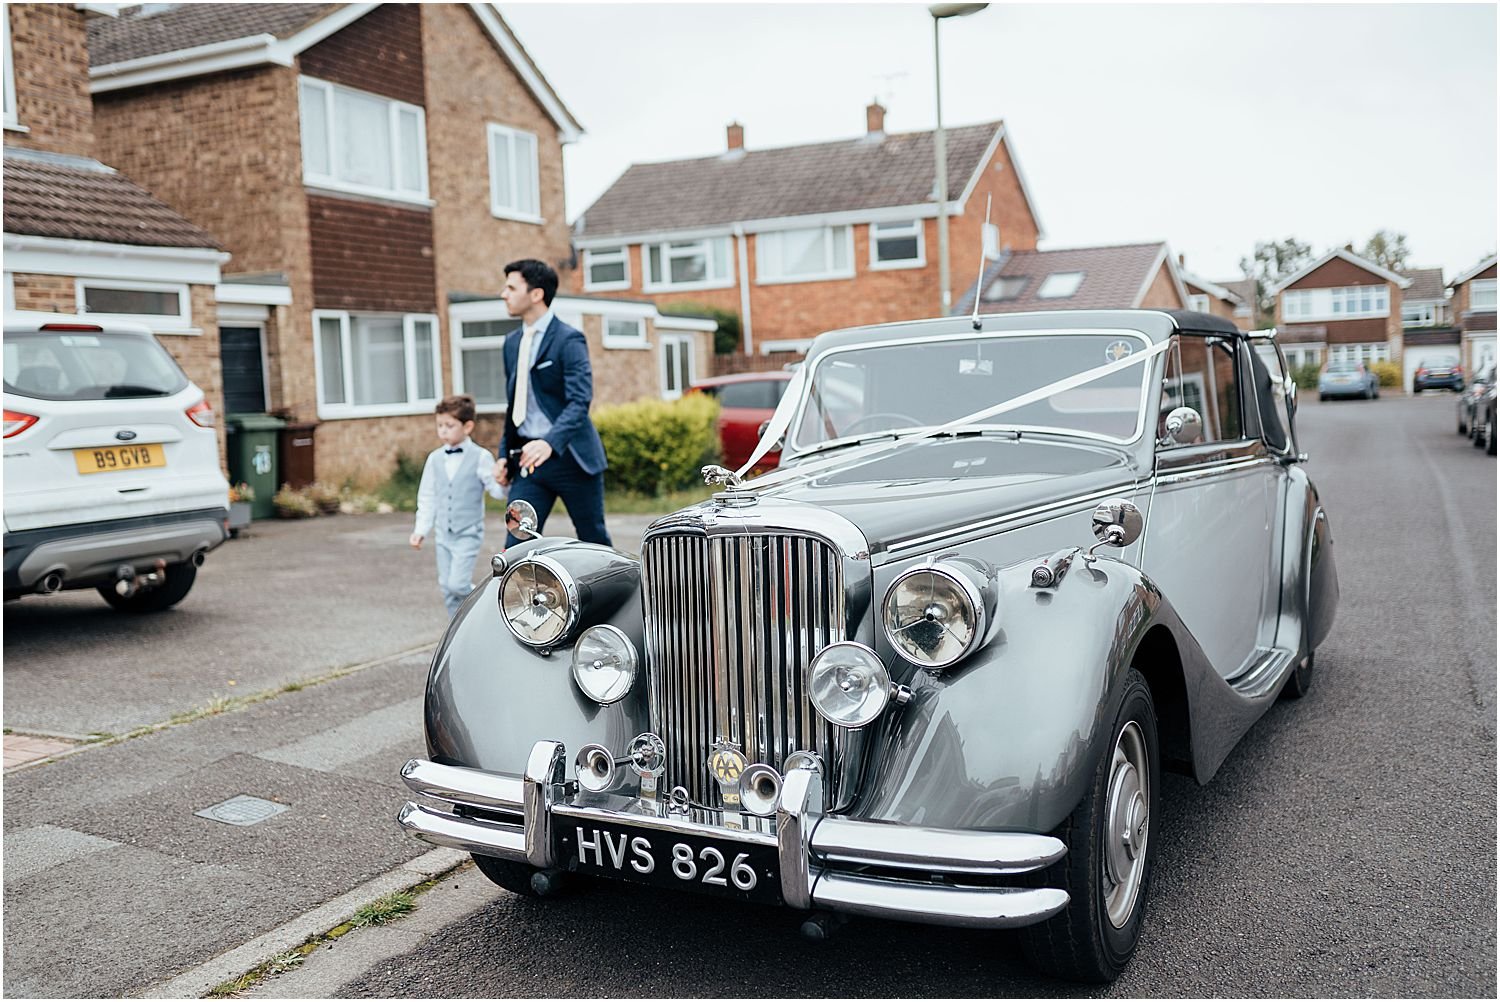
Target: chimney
(1349,248)
(1182,260)
(875,119)
(736,136)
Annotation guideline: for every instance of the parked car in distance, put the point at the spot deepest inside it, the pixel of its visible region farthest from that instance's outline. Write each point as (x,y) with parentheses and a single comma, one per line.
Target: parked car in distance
(746,401)
(1348,379)
(931,669)
(1467,400)
(1482,424)
(1442,373)
(112,476)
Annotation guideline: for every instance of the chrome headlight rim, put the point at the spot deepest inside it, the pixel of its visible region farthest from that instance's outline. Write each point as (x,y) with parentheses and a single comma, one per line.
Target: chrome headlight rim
(570,590)
(885,686)
(630,650)
(969,591)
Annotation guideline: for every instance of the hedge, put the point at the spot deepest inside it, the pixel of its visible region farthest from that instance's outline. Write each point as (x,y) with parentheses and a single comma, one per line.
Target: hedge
(658,446)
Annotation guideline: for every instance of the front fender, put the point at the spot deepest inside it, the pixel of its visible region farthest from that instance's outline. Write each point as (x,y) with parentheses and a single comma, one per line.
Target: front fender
(491,697)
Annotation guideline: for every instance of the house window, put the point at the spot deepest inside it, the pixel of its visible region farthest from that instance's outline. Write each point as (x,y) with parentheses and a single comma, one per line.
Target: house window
(1346,303)
(375,364)
(1378,351)
(676,364)
(1060,285)
(10,74)
(810,255)
(1482,294)
(606,268)
(1418,314)
(688,264)
(624,333)
(1198,303)
(513,174)
(161,306)
(897,245)
(479,360)
(361,143)
(1002,289)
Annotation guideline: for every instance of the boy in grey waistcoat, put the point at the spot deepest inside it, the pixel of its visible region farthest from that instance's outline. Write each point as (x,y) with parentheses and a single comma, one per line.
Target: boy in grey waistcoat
(450,500)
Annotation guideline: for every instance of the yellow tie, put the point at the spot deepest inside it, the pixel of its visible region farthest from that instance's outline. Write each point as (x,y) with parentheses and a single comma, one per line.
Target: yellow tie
(523,378)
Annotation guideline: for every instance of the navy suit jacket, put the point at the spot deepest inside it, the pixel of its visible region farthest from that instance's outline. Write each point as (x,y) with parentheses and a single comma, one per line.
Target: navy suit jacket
(562,384)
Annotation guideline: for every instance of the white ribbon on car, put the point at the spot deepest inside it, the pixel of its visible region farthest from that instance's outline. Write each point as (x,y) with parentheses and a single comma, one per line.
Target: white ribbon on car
(782,418)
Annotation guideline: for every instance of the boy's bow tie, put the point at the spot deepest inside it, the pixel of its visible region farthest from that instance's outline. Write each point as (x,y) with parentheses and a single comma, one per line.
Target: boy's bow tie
(452,451)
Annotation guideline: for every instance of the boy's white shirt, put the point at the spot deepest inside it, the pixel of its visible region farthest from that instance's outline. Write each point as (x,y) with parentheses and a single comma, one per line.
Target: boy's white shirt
(427,490)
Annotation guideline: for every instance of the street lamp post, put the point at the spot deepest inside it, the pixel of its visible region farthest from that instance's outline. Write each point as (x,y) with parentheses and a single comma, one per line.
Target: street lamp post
(939,11)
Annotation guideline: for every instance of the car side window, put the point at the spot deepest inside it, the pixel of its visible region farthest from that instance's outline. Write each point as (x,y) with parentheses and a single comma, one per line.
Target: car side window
(1201,374)
(1271,395)
(753,393)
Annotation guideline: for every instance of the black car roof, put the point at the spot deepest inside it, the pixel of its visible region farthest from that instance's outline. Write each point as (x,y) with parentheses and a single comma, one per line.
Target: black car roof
(1194,322)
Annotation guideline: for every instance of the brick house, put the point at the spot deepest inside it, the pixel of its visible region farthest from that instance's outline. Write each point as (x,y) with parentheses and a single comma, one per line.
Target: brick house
(1220,299)
(1340,307)
(803,239)
(80,236)
(1120,277)
(371,167)
(1427,333)
(1473,307)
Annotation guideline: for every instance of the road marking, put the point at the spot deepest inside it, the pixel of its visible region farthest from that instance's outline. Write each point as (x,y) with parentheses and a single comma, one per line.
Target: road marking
(34,850)
(362,736)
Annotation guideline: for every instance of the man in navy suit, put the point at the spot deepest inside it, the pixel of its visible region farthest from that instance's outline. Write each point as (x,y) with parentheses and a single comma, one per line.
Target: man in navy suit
(549,449)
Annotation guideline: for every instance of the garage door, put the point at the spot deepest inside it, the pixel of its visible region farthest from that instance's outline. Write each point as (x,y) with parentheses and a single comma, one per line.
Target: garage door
(1415,357)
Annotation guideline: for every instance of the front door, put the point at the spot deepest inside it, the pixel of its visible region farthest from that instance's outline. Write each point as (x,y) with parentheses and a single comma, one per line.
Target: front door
(243,360)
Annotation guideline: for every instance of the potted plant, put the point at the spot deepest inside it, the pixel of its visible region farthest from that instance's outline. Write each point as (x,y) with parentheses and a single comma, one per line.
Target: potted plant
(240,497)
(325,496)
(292,503)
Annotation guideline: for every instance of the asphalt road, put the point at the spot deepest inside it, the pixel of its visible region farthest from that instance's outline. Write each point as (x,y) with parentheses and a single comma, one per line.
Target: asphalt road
(1346,848)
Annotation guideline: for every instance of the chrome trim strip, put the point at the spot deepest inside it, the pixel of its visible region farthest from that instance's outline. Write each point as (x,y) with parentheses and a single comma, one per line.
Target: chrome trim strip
(1025,514)
(678,826)
(933,850)
(464,786)
(1206,472)
(543,786)
(938,904)
(797,817)
(488,838)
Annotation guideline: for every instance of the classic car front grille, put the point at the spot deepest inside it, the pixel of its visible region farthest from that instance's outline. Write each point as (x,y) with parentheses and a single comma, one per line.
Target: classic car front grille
(731,624)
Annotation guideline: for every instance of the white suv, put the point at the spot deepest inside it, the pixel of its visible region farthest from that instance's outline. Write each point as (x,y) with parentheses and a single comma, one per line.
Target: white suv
(111,464)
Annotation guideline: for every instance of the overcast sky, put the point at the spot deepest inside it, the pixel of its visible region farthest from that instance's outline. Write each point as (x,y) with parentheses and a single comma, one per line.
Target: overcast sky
(1210,126)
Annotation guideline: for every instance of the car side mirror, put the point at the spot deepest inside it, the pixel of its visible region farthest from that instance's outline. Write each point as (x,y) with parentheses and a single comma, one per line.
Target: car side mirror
(520,520)
(1184,426)
(1117,522)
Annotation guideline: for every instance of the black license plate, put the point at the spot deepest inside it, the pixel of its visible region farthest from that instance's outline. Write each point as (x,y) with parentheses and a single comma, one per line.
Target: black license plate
(681,861)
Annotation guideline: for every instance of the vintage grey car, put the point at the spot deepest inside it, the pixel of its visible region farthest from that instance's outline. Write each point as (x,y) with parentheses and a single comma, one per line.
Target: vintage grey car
(933,667)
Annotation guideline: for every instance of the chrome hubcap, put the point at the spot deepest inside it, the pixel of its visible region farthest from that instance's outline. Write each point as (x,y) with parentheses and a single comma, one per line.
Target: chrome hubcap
(1127,824)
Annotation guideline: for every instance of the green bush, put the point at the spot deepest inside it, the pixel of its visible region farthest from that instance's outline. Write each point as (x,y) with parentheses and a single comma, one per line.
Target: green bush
(657,446)
(1389,372)
(1306,377)
(726,338)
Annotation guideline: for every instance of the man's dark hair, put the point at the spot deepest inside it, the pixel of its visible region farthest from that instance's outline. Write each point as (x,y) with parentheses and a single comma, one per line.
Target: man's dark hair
(538,275)
(460,408)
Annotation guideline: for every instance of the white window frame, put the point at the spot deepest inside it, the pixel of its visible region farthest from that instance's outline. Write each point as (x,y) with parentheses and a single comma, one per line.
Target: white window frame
(1427,314)
(690,248)
(605,255)
(11,121)
(829,272)
(1199,303)
(1319,304)
(1041,290)
(1474,288)
(467,313)
(668,343)
(180,324)
(413,404)
(1364,352)
(898,230)
(637,340)
(393,110)
(504,210)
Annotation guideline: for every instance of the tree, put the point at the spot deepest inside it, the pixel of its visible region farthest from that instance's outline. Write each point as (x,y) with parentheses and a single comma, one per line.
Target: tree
(1272,261)
(1387,249)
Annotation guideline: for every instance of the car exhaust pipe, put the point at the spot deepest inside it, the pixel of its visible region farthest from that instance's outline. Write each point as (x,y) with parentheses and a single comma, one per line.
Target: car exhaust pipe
(198,557)
(51,583)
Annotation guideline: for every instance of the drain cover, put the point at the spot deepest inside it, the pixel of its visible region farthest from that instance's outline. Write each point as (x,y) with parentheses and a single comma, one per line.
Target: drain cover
(242,810)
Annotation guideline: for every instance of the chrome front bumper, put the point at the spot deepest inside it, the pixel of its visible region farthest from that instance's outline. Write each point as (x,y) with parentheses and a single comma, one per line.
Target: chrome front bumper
(824,861)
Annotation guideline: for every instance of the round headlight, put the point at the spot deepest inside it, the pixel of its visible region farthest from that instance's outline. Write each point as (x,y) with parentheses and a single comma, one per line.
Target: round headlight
(604,664)
(539,600)
(933,616)
(848,684)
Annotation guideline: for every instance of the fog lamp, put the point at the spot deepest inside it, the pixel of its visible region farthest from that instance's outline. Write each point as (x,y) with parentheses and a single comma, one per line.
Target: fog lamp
(848,684)
(604,663)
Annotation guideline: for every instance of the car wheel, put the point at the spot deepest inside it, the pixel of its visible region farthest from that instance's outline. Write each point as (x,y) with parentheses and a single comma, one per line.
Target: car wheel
(1107,871)
(1489,434)
(1462,428)
(179,581)
(1299,682)
(1322,396)
(514,877)
(1477,431)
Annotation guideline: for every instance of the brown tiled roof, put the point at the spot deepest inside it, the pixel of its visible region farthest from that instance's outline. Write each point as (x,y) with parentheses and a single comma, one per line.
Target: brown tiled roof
(136,35)
(790,181)
(1426,284)
(1113,278)
(1242,287)
(74,198)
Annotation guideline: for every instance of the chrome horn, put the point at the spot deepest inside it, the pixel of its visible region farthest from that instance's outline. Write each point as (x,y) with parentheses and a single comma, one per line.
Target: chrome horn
(596,768)
(760,790)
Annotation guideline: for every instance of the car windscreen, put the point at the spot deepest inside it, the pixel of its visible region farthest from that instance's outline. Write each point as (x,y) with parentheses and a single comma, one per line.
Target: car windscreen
(1336,367)
(51,365)
(892,387)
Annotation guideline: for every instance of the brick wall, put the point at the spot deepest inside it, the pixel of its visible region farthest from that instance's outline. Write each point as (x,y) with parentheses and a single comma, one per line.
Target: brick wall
(380,53)
(1162,293)
(371,256)
(46,293)
(1336,274)
(1009,211)
(50,44)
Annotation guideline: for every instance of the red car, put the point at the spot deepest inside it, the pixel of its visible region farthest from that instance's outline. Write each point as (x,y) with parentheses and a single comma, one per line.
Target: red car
(746,401)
